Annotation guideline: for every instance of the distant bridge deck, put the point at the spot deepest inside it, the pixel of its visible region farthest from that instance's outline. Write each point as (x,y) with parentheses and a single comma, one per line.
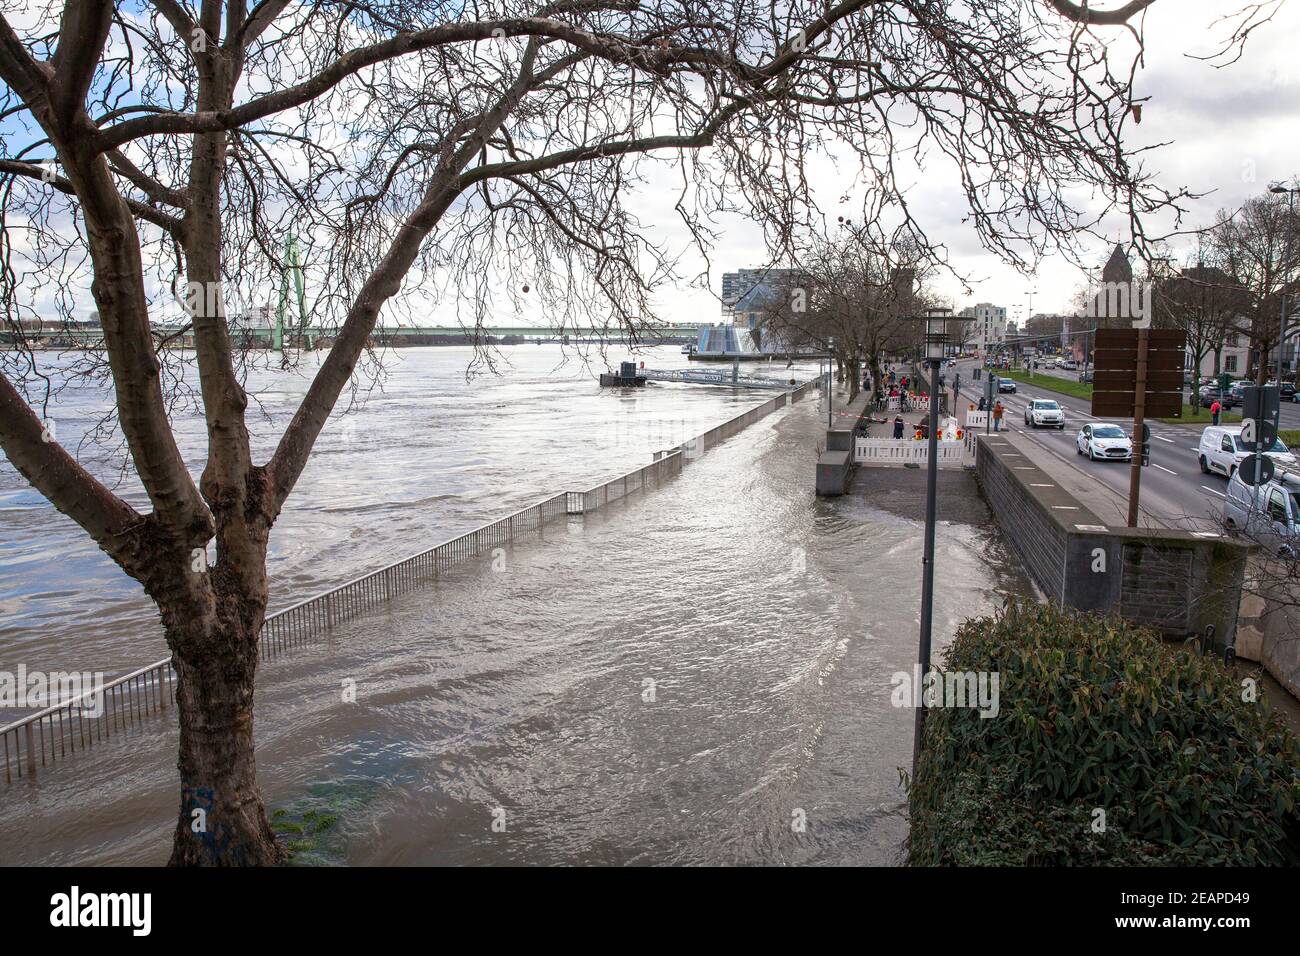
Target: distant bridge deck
(262,337)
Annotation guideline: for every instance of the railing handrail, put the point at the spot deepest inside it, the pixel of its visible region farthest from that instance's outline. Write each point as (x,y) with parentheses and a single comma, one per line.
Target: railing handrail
(388,567)
(55,708)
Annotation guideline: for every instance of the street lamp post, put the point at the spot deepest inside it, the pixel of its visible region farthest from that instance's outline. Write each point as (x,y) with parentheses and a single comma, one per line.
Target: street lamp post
(936,321)
(1289,192)
(830,383)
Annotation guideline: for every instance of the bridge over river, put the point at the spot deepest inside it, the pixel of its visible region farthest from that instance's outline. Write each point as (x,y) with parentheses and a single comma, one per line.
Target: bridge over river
(90,337)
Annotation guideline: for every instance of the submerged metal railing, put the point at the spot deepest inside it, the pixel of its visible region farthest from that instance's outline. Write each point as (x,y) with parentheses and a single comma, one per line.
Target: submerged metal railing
(59,730)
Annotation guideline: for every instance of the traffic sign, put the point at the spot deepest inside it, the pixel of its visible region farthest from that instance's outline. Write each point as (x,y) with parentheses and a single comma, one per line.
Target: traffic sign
(1256,470)
(1262,404)
(1258,434)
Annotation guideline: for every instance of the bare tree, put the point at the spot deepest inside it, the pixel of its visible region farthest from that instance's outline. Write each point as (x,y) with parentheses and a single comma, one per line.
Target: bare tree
(419,147)
(1204,302)
(855,302)
(1252,245)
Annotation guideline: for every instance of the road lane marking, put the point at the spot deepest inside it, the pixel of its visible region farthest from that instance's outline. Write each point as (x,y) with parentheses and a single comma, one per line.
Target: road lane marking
(1163,438)
(1164,469)
(1213,492)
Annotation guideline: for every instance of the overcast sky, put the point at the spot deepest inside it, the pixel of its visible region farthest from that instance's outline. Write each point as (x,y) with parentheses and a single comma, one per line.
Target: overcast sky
(1232,131)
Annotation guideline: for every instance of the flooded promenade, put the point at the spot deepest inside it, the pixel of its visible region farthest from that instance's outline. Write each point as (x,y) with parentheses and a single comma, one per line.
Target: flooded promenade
(697,674)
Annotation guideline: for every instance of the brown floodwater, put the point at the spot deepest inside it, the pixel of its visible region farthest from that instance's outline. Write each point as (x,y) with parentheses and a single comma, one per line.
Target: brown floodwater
(699,674)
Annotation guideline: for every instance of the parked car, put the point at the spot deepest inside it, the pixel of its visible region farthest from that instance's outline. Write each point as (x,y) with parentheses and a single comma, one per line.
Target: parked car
(1237,391)
(1007,385)
(1222,450)
(1210,393)
(1269,514)
(1105,442)
(1044,413)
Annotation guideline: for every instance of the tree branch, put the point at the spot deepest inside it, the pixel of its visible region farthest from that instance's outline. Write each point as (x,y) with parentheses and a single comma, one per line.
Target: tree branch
(59,477)
(1081,13)
(83,31)
(138,209)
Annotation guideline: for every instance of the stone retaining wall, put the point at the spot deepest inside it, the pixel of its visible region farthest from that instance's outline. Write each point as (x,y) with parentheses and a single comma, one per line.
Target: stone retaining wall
(1174,581)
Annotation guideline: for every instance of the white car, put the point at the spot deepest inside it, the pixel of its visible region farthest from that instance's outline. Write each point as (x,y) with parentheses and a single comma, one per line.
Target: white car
(1044,413)
(1222,451)
(1104,442)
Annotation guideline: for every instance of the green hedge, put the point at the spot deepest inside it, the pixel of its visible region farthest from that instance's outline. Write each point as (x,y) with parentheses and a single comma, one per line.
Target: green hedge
(1097,713)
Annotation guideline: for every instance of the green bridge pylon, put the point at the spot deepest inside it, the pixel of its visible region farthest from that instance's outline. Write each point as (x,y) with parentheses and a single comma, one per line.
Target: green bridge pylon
(294,267)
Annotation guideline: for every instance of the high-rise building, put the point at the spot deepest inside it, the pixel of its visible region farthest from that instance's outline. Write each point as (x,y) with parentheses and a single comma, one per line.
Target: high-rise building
(746,293)
(987,325)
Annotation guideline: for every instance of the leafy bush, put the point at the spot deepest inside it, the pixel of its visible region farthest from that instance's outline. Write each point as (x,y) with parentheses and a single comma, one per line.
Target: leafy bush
(1098,714)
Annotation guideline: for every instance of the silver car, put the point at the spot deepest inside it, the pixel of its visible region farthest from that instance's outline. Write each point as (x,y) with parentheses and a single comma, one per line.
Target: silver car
(1268,514)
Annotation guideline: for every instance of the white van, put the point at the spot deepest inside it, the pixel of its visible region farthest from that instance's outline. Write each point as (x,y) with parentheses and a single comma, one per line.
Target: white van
(1222,450)
(1269,514)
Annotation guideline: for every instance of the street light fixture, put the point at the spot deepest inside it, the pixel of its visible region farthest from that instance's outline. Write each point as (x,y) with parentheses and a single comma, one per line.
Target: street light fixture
(936,337)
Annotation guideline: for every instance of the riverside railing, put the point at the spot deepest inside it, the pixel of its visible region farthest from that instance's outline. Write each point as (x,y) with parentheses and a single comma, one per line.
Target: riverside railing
(63,728)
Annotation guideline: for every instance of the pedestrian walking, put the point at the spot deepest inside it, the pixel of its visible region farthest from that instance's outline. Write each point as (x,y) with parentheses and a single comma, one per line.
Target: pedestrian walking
(1214,411)
(898,426)
(997,417)
(983,407)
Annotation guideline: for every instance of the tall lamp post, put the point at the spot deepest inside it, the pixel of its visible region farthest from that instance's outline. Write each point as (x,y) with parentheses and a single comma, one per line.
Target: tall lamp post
(936,325)
(830,382)
(1288,191)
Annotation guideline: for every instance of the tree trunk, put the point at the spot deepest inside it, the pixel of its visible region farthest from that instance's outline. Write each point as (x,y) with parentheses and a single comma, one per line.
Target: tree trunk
(222,819)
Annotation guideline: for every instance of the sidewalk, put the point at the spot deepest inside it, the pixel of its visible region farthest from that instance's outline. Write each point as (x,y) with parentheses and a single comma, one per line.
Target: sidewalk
(1107,504)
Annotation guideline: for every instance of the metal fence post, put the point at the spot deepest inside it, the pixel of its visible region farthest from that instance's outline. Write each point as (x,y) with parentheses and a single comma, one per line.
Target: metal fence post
(31,749)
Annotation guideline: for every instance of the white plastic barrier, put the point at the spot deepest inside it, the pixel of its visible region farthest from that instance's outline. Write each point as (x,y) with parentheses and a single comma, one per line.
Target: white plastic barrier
(915,403)
(977,419)
(901,451)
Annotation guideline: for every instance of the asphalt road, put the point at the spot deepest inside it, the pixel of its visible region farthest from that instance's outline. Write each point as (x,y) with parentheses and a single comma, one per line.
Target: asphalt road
(1290,411)
(1174,492)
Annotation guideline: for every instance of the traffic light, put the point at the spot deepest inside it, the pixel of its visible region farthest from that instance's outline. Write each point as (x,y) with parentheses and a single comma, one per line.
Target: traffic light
(1146,444)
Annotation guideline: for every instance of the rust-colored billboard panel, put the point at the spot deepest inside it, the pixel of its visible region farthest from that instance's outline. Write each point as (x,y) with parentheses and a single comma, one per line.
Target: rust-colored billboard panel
(1125,380)
(1120,405)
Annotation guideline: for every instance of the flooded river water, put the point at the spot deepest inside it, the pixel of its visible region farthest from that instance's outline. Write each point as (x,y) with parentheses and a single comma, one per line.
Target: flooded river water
(698,674)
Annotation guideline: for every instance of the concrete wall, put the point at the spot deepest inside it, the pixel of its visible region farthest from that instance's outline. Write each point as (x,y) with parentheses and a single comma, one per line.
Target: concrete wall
(1174,581)
(835,464)
(1269,630)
